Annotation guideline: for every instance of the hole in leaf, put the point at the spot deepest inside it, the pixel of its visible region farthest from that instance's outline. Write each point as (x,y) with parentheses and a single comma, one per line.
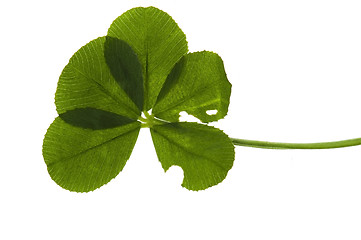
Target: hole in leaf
(185,117)
(212,112)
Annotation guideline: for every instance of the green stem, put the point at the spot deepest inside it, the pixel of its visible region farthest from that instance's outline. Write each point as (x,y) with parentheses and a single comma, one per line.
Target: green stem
(279,145)
(142,119)
(147,115)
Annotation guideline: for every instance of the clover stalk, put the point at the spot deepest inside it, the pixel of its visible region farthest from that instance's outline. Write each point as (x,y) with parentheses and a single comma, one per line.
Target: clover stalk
(281,145)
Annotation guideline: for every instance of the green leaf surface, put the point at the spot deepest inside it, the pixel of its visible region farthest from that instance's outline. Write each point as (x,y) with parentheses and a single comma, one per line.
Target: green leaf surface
(204,153)
(125,68)
(86,81)
(197,83)
(94,118)
(81,159)
(158,42)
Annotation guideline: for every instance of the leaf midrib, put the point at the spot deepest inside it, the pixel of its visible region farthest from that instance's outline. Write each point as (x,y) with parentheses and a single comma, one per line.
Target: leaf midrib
(191,152)
(91,148)
(104,90)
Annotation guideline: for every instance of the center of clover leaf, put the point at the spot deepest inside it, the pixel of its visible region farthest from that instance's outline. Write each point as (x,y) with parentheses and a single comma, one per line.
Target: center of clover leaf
(149,120)
(142,65)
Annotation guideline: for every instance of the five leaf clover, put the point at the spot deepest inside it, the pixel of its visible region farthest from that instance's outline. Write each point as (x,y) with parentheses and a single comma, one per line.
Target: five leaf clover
(141,66)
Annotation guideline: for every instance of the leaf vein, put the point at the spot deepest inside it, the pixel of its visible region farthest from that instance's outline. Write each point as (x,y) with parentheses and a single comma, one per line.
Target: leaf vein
(91,148)
(191,152)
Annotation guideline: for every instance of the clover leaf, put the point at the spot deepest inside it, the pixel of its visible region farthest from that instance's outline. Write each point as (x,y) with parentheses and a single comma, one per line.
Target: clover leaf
(142,64)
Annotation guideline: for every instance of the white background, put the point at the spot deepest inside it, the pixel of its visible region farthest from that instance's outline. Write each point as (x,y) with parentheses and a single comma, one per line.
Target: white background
(295,67)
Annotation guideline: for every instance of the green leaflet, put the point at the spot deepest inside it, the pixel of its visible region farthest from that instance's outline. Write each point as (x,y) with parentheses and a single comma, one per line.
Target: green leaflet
(158,42)
(141,64)
(81,159)
(204,153)
(196,84)
(87,82)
